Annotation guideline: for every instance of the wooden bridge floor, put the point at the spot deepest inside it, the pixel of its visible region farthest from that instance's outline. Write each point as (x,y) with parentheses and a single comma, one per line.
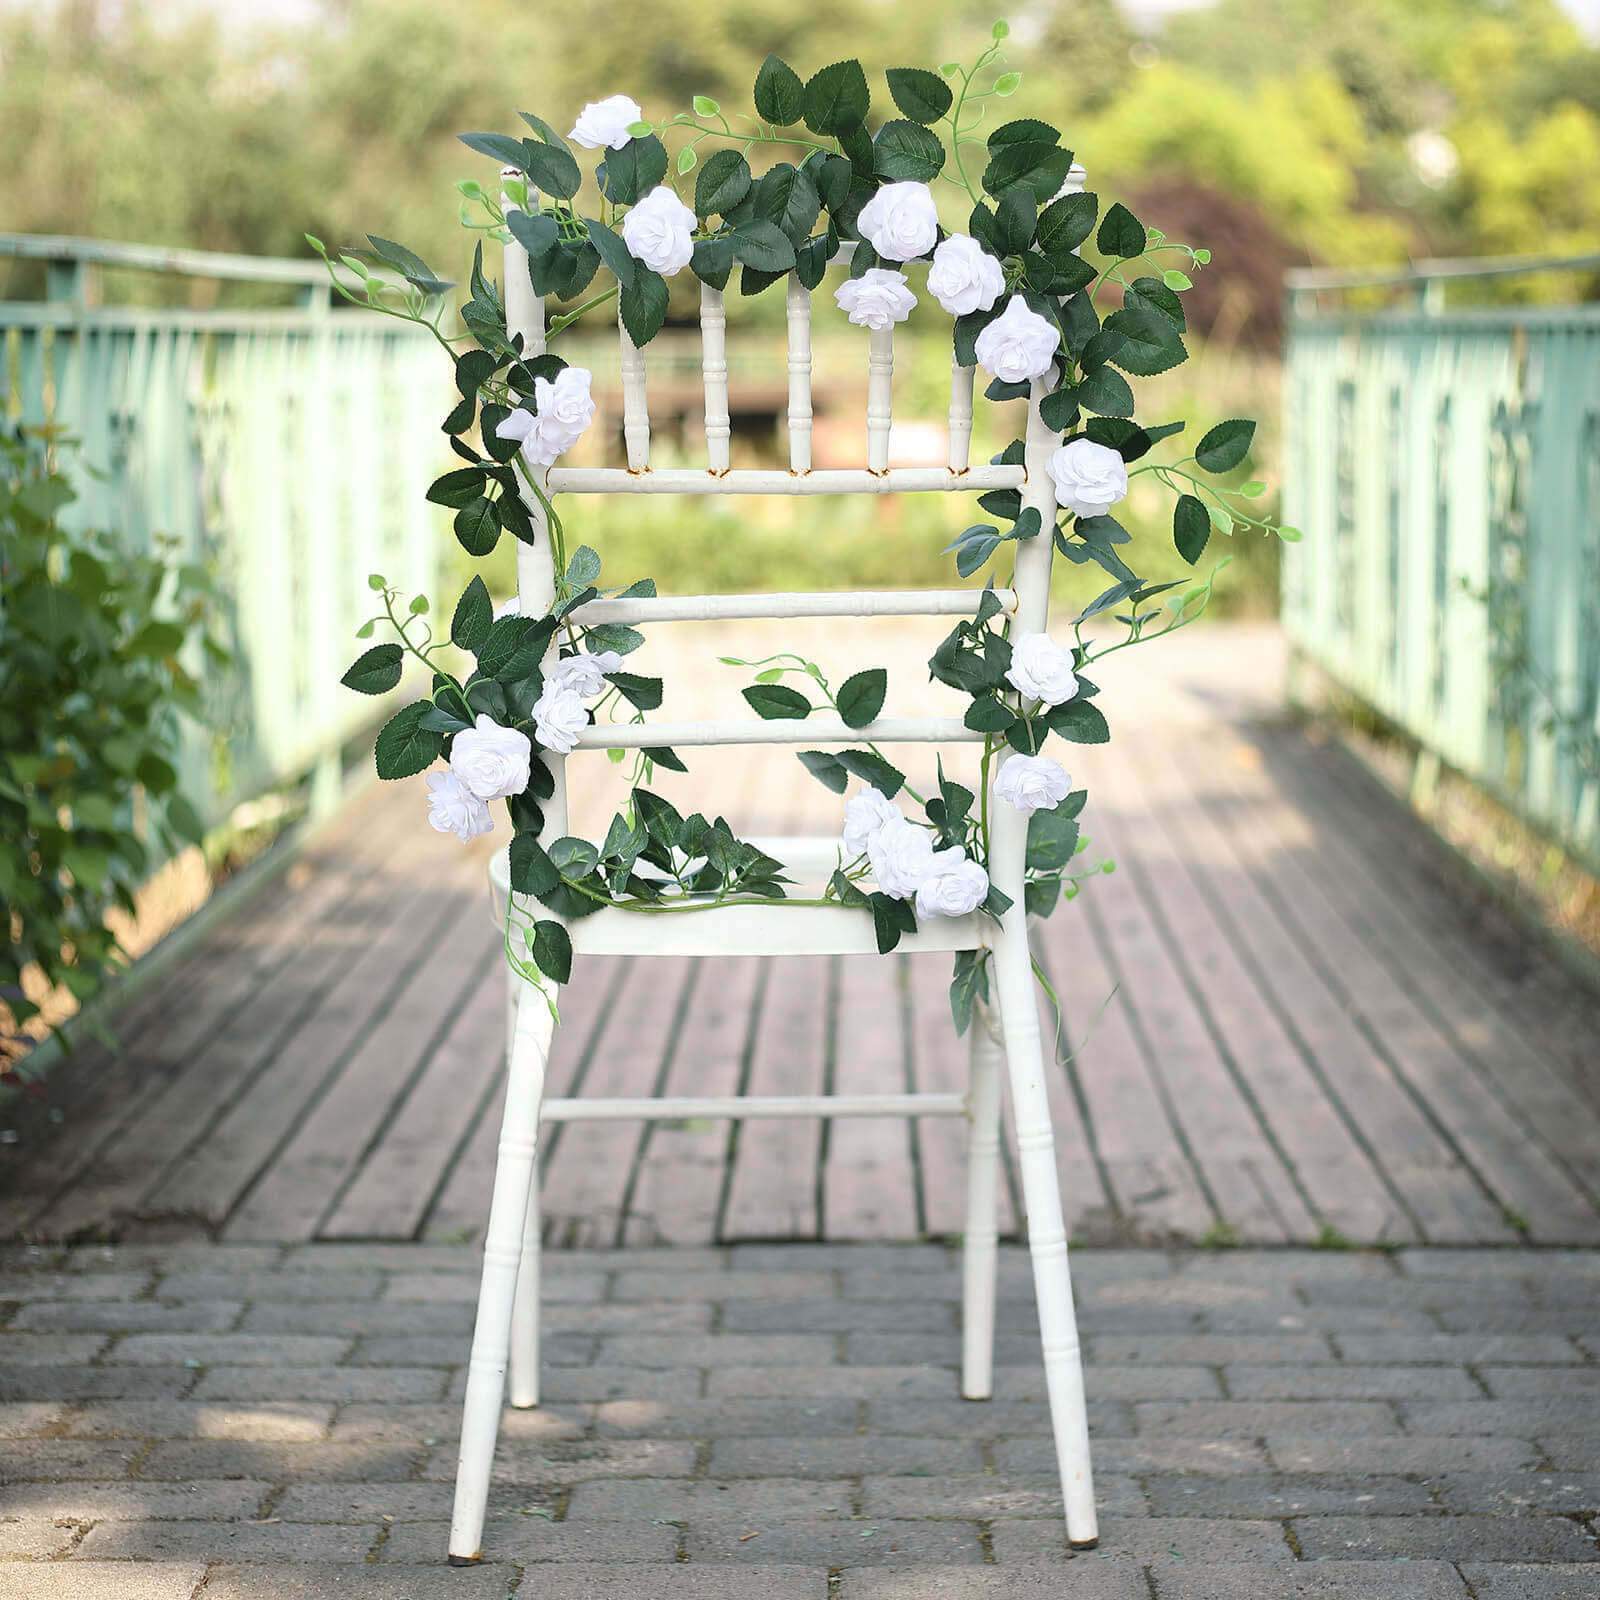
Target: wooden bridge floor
(1285,1021)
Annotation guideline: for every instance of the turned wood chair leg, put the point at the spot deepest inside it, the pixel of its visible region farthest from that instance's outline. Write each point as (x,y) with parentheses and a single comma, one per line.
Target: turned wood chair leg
(983,1176)
(525,1308)
(1047,1234)
(502,1259)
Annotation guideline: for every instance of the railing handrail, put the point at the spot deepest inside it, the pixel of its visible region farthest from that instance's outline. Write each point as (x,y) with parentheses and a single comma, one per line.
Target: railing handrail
(1311,279)
(63,247)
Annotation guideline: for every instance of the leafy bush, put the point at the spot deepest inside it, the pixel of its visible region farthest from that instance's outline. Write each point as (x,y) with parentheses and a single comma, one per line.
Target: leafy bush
(91,688)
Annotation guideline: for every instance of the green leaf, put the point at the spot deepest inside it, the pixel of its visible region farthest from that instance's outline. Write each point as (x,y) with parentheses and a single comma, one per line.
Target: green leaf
(906,150)
(404,746)
(1032,165)
(860,697)
(1079,722)
(532,871)
(663,756)
(871,768)
(890,919)
(552,168)
(779,93)
(551,949)
(989,715)
(477,526)
(1065,223)
(645,693)
(644,305)
(1105,391)
(469,625)
(723,182)
(922,95)
(1052,840)
(1015,219)
(1225,445)
(969,984)
(408,264)
(836,98)
(974,548)
(764,246)
(612,251)
(1191,527)
(584,567)
(776,702)
(713,261)
(1121,233)
(458,488)
(786,196)
(826,768)
(375,671)
(634,170)
(1147,338)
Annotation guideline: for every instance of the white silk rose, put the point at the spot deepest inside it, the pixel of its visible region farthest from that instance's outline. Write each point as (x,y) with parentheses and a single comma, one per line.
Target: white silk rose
(559,716)
(900,221)
(1032,783)
(964,276)
(493,762)
(878,299)
(954,886)
(1041,670)
(564,409)
(1090,478)
(864,815)
(584,673)
(604,124)
(454,808)
(901,854)
(1019,344)
(659,232)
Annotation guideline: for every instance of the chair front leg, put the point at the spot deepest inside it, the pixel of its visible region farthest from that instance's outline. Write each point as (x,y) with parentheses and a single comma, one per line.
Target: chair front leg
(502,1256)
(1047,1233)
(525,1309)
(983,1176)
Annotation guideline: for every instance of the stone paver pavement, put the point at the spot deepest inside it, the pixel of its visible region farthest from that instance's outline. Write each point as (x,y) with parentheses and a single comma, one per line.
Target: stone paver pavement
(781,1423)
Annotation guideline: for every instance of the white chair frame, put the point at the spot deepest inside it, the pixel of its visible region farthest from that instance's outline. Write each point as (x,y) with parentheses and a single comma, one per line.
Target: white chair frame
(507,1327)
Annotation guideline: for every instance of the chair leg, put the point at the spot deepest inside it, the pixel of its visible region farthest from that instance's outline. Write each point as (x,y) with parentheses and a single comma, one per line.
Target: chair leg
(1047,1234)
(983,1174)
(525,1308)
(502,1256)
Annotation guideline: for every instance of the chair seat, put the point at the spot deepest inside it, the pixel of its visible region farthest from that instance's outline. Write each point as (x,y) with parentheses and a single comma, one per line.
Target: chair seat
(753,930)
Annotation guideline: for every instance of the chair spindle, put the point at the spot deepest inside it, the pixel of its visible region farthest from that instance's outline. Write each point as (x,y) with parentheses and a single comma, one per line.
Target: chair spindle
(635,409)
(798,306)
(880,397)
(714,368)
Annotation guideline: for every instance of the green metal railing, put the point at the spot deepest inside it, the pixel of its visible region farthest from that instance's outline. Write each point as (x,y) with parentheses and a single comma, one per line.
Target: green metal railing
(289,448)
(1444,465)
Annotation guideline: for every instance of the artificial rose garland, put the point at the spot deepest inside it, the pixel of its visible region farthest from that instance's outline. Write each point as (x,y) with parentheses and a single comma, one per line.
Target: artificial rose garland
(1032,783)
(659,231)
(964,277)
(1090,478)
(1019,345)
(953,887)
(604,124)
(879,298)
(864,814)
(490,761)
(562,409)
(454,808)
(1041,670)
(900,221)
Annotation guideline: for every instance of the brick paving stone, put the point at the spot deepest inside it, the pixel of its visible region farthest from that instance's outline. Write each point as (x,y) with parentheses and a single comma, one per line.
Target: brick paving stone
(459,1288)
(1088,1578)
(133,1500)
(831,1458)
(639,1283)
(272,1286)
(120,1286)
(536,1539)
(1475,1266)
(840,1316)
(100,1580)
(1520,1317)
(365,1502)
(1158,1349)
(35,1540)
(635,1316)
(1322,1580)
(136,1316)
(1132,1382)
(192,1419)
(227,1541)
(442,1420)
(434,1582)
(95,1383)
(1457,1349)
(717,1350)
(230,1349)
(27,1419)
(1570,1452)
(567,1384)
(451,1349)
(358,1317)
(1512,1493)
(1519,1418)
(620,1582)
(843,1257)
(752,1502)
(25,1459)
(1150,1455)
(1248,1418)
(1332,1316)
(1279,1495)
(1517,1582)
(1350,1383)
(990,1495)
(1292,1266)
(244,1458)
(573,1461)
(1418,1453)
(987,1419)
(1536,1383)
(51,1349)
(725,1418)
(882,1542)
(1148,1540)
(172,1257)
(340,1384)
(1470,1538)
(862,1383)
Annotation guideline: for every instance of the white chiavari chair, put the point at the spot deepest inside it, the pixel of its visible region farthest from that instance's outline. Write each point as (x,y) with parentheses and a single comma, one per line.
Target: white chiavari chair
(507,1327)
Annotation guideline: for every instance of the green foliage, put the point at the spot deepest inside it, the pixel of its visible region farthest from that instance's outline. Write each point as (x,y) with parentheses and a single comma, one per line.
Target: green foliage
(102,650)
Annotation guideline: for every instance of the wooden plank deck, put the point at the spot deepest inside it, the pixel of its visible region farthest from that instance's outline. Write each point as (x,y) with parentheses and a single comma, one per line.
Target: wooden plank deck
(1285,1021)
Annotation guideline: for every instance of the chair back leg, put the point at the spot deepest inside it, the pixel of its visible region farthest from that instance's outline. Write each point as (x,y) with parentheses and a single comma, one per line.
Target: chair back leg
(983,1176)
(1047,1233)
(502,1260)
(525,1308)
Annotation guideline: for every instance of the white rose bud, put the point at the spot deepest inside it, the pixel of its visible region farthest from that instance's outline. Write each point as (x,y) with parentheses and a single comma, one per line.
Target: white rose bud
(491,761)
(902,856)
(1041,670)
(454,808)
(1090,478)
(604,124)
(658,231)
(900,221)
(565,408)
(964,276)
(1019,344)
(584,673)
(879,298)
(953,887)
(1032,783)
(864,814)
(559,716)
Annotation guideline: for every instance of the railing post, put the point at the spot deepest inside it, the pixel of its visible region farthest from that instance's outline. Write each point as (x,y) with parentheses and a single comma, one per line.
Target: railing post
(72,281)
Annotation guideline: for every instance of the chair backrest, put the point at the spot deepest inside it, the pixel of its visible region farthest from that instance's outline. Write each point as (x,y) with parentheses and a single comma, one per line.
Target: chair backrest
(1027,603)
